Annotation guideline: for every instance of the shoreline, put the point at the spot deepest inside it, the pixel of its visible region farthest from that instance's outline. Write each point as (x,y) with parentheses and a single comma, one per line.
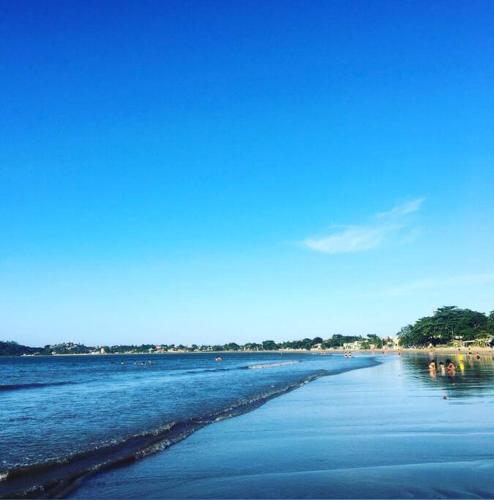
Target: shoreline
(364,434)
(398,351)
(60,477)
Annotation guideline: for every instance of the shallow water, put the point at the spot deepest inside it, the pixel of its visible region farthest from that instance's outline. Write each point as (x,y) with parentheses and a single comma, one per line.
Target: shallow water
(63,416)
(473,376)
(390,431)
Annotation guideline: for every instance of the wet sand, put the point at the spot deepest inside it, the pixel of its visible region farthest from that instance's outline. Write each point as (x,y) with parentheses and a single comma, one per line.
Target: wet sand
(391,431)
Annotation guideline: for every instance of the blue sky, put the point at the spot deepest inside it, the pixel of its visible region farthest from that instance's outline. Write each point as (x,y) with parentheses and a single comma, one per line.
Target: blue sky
(207,171)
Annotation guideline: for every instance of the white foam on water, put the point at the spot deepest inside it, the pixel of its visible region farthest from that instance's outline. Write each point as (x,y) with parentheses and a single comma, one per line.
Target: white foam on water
(272,365)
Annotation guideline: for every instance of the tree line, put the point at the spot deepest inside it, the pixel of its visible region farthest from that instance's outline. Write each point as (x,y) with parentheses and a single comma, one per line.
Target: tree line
(335,342)
(447,326)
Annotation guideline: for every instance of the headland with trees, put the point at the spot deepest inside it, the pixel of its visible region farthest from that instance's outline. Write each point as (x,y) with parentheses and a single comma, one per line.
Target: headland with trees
(449,326)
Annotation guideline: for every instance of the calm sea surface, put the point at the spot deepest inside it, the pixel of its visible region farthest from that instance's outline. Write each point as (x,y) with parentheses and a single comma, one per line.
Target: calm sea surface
(63,416)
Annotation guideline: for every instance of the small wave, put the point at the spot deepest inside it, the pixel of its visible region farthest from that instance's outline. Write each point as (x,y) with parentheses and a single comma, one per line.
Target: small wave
(34,385)
(205,370)
(57,478)
(262,366)
(244,367)
(22,418)
(233,368)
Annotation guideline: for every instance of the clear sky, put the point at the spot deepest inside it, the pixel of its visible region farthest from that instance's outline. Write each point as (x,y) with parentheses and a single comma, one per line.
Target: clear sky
(211,171)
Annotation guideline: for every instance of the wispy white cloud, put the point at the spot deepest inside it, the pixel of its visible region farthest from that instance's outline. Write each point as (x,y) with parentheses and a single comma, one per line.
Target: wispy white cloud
(404,209)
(359,238)
(351,239)
(462,280)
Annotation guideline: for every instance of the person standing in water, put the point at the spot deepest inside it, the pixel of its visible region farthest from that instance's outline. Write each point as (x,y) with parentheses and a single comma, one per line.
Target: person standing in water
(450,367)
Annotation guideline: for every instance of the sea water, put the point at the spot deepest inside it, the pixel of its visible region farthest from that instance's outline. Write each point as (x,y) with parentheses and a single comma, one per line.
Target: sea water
(395,430)
(62,417)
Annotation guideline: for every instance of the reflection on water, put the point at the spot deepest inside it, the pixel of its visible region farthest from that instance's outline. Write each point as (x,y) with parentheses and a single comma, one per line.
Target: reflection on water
(458,375)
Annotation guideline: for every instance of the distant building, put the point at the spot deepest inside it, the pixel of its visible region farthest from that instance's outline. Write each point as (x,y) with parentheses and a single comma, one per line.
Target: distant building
(352,346)
(316,347)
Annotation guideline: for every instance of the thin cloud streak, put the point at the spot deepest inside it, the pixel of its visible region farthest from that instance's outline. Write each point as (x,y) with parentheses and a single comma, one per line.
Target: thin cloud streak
(360,238)
(352,239)
(404,209)
(463,280)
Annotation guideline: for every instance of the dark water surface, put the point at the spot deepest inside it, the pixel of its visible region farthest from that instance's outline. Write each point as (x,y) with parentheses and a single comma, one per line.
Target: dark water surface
(389,431)
(63,417)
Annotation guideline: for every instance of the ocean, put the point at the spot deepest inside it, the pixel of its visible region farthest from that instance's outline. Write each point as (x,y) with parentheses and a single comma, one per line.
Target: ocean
(393,430)
(65,417)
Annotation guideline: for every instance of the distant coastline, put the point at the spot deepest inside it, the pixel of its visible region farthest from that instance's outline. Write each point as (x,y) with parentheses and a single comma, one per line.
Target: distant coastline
(448,328)
(320,352)
(317,344)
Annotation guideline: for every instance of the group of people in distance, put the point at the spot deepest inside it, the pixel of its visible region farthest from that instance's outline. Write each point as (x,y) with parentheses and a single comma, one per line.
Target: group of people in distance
(448,367)
(445,368)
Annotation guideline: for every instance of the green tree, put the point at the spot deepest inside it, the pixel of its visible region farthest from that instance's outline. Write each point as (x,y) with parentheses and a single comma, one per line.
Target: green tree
(445,325)
(490,323)
(270,345)
(374,339)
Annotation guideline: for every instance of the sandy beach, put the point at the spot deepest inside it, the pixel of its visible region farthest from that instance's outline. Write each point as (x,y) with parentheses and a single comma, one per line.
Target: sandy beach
(389,431)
